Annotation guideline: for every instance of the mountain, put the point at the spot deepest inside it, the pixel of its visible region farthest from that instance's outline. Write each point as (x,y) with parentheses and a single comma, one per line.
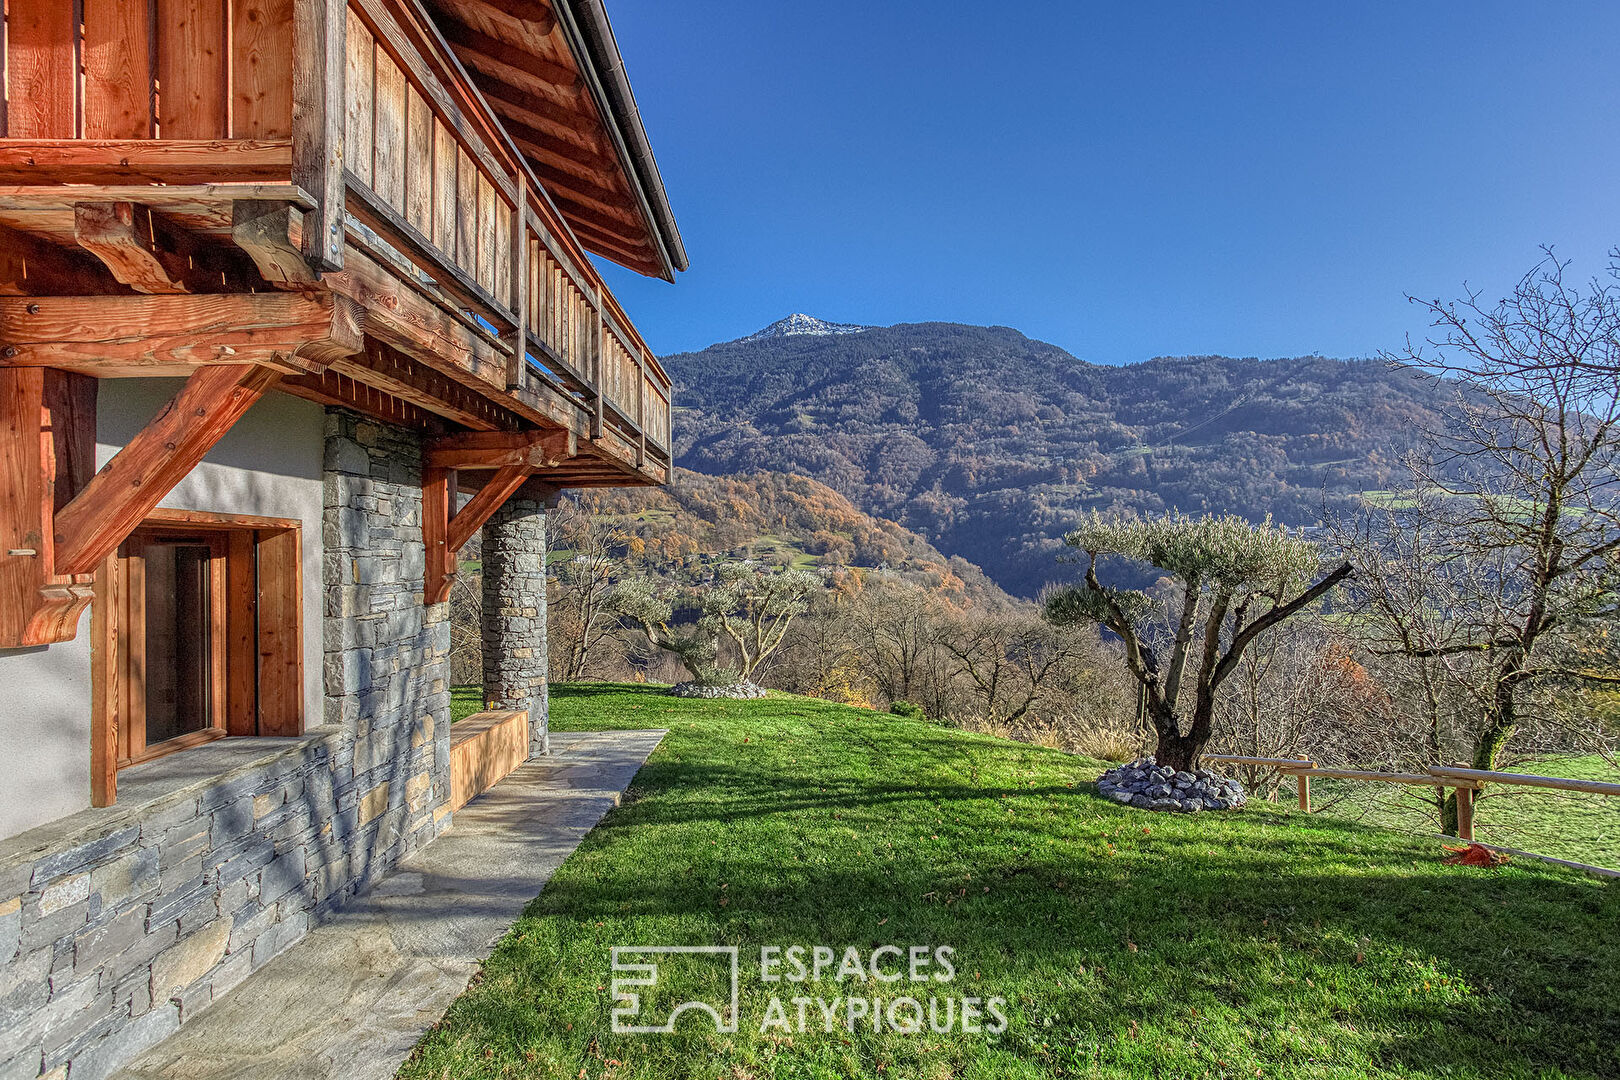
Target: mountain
(990,444)
(800,325)
(789,520)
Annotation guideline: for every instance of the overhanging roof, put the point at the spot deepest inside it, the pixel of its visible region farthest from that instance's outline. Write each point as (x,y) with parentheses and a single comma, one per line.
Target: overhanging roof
(552,72)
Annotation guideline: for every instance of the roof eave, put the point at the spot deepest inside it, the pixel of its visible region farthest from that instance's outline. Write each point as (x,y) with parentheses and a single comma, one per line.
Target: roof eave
(585,24)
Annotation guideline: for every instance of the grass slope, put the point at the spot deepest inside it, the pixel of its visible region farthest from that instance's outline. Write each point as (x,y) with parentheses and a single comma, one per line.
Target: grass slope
(1127,945)
(1568,825)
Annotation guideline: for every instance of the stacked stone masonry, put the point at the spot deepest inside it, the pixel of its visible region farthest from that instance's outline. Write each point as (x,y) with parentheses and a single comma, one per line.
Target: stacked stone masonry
(117,925)
(514,614)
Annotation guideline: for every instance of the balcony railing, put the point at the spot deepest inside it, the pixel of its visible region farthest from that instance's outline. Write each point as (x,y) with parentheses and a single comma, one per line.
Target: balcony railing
(428,184)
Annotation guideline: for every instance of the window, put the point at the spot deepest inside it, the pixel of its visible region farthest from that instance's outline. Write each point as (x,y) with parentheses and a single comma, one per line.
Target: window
(197,634)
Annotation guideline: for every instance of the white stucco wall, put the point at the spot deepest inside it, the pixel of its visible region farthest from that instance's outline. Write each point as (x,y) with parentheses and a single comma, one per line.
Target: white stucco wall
(268,465)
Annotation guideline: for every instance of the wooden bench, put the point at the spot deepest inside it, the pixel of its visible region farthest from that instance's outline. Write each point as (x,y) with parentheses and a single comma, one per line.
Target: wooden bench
(483,749)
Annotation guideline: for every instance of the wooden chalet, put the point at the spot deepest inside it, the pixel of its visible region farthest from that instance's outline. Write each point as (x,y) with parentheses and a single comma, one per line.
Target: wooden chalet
(295,299)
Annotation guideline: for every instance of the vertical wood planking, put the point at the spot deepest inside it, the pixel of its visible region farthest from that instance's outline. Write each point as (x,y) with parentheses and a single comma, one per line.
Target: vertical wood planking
(418,162)
(116,53)
(193,88)
(261,69)
(485,274)
(388,139)
(444,190)
(41,64)
(466,211)
(504,246)
(357,91)
(281,652)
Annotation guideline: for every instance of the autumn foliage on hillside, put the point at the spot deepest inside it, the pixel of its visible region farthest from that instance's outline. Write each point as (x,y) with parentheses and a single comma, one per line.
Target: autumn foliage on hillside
(778,517)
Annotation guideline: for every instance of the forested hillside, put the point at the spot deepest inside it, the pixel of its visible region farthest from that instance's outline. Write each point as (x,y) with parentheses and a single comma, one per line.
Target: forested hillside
(989,444)
(785,519)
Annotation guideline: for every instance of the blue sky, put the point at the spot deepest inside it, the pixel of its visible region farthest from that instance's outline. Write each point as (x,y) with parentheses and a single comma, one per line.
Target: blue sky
(1126,180)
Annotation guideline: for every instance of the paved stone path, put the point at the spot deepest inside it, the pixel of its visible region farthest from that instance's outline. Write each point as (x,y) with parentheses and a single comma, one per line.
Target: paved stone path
(353,997)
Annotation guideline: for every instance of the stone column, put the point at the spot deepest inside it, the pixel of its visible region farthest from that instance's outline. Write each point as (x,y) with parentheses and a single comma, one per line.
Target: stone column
(514,631)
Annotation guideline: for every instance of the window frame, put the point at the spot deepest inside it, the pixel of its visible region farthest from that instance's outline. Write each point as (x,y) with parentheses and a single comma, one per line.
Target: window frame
(256,650)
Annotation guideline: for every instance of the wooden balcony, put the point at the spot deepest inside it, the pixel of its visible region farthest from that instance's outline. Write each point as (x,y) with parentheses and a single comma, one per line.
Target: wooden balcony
(321,188)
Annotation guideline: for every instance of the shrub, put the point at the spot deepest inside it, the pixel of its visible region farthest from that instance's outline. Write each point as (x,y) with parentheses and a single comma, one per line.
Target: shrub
(909,710)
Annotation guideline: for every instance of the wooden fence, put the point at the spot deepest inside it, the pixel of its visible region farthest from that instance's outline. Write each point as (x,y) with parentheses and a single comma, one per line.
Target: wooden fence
(1465,781)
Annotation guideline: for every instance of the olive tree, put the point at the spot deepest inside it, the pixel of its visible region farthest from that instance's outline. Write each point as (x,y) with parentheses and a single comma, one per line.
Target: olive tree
(1233,581)
(745,604)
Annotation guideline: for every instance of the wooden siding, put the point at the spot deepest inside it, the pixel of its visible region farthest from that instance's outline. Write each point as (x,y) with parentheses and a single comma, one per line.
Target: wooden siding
(152,69)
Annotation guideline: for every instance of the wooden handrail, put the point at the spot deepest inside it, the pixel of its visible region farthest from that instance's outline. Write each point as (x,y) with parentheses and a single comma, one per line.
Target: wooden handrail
(1465,781)
(1484,776)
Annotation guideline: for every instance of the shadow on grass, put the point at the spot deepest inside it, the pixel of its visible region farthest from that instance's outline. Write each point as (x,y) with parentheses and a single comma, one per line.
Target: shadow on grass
(1306,946)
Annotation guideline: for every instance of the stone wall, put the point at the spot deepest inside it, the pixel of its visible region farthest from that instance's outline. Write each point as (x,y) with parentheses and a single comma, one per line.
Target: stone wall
(514,614)
(118,924)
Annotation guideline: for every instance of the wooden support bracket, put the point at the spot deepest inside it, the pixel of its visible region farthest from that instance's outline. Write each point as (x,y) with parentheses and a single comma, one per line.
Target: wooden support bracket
(443,533)
(116,499)
(124,237)
(272,234)
(47,453)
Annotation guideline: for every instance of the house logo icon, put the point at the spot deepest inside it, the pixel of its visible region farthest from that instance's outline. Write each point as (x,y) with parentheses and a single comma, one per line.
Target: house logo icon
(636,985)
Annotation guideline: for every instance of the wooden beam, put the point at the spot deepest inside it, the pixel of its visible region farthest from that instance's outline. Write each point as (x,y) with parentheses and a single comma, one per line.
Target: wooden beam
(112,504)
(536,448)
(537,143)
(438,492)
(145,335)
(319,69)
(133,161)
(274,237)
(471,46)
(123,237)
(536,13)
(149,252)
(157,196)
(47,450)
(470,518)
(509,100)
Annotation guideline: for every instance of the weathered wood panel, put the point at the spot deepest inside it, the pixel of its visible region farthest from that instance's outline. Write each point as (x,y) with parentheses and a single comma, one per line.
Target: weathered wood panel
(388,138)
(116,52)
(418,162)
(444,190)
(41,48)
(193,91)
(360,50)
(261,68)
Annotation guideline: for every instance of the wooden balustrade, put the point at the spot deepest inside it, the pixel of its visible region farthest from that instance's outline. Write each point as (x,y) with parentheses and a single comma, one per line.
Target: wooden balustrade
(216,93)
(428,172)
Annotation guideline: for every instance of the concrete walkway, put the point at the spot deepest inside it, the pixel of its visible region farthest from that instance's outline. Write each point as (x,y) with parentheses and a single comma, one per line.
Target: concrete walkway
(353,997)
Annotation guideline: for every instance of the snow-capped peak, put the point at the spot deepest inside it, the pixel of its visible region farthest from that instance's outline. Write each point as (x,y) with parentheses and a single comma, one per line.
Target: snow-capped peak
(799,324)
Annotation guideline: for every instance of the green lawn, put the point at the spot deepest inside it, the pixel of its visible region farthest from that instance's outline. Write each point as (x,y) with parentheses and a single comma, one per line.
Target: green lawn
(1569,825)
(1125,944)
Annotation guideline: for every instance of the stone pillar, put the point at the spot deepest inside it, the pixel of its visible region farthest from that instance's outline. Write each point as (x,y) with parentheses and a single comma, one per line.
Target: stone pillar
(514,631)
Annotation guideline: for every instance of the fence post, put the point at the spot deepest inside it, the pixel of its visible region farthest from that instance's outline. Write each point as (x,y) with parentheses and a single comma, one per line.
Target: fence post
(1304,792)
(1465,814)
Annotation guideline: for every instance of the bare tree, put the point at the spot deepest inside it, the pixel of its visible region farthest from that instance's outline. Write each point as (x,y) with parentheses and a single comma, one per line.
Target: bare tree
(1519,491)
(1010,659)
(590,552)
